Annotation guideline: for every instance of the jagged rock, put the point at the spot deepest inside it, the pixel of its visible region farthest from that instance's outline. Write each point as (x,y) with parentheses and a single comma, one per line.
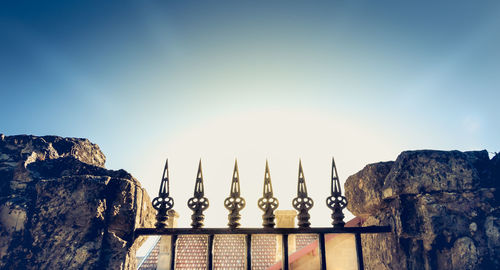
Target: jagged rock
(365,189)
(417,172)
(441,205)
(61,209)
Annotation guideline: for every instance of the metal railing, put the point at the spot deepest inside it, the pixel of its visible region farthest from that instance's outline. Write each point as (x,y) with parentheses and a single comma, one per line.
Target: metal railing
(267,203)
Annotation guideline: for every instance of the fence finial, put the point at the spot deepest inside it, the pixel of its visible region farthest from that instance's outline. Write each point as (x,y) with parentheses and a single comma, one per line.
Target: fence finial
(234,203)
(198,203)
(163,202)
(267,202)
(302,202)
(336,201)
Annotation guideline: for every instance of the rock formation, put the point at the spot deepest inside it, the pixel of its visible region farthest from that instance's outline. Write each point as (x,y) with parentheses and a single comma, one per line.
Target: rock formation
(442,205)
(61,209)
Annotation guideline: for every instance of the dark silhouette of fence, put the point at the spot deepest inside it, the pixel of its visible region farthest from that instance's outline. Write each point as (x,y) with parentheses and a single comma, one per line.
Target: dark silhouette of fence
(267,203)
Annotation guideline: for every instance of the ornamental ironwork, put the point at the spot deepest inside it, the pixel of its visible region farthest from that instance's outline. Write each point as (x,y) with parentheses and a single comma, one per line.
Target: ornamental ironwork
(198,203)
(234,203)
(268,203)
(302,203)
(336,201)
(163,202)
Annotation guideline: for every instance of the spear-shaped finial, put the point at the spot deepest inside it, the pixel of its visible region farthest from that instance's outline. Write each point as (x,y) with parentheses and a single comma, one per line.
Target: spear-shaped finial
(336,201)
(301,186)
(336,189)
(234,203)
(164,186)
(163,202)
(198,189)
(302,202)
(235,184)
(198,203)
(268,203)
(268,187)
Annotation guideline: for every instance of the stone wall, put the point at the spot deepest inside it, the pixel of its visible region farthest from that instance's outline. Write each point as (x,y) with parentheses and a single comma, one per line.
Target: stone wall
(61,209)
(442,205)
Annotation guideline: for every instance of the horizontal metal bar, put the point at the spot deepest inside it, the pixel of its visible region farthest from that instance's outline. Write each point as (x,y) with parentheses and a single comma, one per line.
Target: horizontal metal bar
(324,230)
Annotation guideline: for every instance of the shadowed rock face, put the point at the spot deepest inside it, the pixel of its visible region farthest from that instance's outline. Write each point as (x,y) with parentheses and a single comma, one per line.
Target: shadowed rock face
(61,209)
(442,206)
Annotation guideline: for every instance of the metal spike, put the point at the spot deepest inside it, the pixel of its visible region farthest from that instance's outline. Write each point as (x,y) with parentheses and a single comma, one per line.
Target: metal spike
(335,179)
(198,188)
(267,202)
(235,184)
(164,186)
(302,202)
(336,201)
(301,187)
(198,203)
(268,187)
(234,203)
(163,202)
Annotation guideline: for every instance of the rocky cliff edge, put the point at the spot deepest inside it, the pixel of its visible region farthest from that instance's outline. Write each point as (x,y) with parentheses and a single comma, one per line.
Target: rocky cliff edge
(61,209)
(443,207)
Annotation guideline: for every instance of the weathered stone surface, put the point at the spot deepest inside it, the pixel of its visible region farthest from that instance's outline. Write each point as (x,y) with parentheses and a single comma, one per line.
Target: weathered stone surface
(366,188)
(61,209)
(425,171)
(441,205)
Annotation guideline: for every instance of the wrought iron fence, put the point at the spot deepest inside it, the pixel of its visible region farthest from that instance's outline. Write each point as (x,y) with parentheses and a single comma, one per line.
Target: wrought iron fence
(268,204)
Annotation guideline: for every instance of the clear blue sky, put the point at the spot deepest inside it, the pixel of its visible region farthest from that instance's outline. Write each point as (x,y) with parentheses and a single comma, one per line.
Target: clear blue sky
(361,80)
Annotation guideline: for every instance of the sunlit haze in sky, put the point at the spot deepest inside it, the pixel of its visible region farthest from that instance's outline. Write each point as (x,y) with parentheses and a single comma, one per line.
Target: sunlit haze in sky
(253,80)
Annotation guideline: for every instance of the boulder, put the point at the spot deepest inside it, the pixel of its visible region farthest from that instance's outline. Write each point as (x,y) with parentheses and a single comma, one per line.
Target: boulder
(441,206)
(363,188)
(61,209)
